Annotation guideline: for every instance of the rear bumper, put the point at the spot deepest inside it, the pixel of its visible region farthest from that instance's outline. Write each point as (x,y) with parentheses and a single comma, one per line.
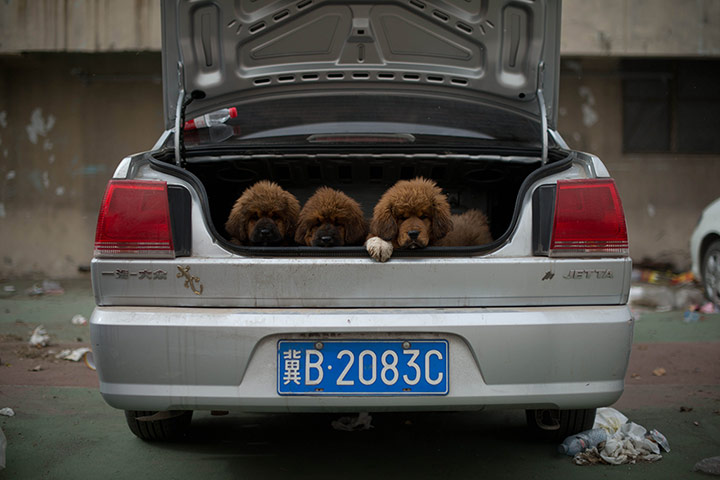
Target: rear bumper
(215,358)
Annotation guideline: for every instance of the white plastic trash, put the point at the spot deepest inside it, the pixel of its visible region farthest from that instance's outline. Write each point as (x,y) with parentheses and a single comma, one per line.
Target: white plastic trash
(39,337)
(73,355)
(7,412)
(609,420)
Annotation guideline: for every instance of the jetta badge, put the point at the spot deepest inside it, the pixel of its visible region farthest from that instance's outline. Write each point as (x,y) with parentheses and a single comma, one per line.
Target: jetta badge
(589,274)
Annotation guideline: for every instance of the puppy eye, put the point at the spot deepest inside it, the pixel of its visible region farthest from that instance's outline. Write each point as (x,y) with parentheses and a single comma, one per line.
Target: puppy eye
(424,217)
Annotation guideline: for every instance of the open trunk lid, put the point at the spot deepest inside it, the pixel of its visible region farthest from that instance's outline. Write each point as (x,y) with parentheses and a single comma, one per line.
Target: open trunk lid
(504,53)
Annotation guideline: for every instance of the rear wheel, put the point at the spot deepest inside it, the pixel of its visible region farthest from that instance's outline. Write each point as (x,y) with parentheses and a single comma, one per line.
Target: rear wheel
(556,425)
(158,426)
(711,272)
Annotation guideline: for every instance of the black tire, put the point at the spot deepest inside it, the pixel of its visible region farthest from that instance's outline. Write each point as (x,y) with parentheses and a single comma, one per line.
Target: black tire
(556,425)
(710,270)
(165,430)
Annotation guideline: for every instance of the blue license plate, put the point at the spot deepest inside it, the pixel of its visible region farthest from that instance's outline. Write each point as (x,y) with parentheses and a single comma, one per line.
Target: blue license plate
(354,367)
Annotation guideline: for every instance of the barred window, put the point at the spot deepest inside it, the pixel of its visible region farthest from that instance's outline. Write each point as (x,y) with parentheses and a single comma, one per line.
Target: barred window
(671,106)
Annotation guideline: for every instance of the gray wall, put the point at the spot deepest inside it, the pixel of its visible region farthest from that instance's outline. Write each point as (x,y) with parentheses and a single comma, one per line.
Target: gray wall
(65,122)
(67,118)
(663,194)
(589,27)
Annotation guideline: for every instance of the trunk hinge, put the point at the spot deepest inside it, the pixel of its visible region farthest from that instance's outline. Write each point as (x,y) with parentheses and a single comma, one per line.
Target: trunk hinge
(543,113)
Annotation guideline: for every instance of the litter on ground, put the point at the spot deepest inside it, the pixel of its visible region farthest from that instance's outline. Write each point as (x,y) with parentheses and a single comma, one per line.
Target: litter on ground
(626,443)
(48,287)
(73,355)
(39,337)
(351,424)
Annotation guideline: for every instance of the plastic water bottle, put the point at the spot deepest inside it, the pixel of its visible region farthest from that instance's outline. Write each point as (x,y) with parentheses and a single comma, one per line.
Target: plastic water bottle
(218,117)
(582,441)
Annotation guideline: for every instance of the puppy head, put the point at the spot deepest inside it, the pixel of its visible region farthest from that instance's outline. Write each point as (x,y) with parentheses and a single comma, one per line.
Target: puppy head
(330,218)
(265,214)
(412,214)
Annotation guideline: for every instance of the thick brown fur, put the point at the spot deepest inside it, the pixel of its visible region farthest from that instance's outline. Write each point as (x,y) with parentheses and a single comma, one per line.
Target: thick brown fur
(412,214)
(469,229)
(330,218)
(265,214)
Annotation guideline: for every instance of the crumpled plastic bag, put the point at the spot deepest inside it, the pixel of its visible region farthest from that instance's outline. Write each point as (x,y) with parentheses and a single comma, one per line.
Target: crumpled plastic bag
(352,424)
(609,420)
(628,445)
(627,442)
(73,355)
(39,337)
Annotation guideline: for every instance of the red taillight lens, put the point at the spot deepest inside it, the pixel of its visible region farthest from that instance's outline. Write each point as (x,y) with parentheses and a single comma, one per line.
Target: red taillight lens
(134,221)
(589,220)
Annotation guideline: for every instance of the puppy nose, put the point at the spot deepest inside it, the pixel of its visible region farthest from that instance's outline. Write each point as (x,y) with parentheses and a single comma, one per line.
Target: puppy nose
(326,239)
(265,232)
(413,234)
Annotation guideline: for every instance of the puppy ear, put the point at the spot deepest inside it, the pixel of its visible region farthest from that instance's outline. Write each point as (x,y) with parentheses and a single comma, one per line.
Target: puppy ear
(292,212)
(441,220)
(236,222)
(301,230)
(383,223)
(355,228)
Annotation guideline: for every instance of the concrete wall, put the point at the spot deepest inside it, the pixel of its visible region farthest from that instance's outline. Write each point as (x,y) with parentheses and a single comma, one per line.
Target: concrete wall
(590,27)
(66,119)
(663,194)
(65,123)
(79,25)
(641,27)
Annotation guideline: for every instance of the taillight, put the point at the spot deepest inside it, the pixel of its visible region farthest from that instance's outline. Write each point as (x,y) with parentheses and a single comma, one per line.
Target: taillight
(134,221)
(589,220)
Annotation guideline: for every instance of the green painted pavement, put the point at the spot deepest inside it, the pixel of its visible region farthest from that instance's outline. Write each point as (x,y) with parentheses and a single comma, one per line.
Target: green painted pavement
(672,327)
(71,433)
(20,313)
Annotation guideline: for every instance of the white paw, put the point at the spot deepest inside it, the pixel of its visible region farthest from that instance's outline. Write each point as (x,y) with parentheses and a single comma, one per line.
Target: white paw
(379,249)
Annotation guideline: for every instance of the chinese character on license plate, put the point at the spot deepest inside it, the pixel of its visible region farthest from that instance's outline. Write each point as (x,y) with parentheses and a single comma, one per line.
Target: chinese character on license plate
(353,367)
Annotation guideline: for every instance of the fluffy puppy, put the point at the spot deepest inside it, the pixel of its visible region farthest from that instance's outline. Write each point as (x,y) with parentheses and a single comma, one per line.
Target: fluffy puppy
(265,214)
(469,229)
(330,218)
(410,214)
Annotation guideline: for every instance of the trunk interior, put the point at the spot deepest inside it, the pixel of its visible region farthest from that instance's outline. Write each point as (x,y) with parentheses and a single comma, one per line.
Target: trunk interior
(489,183)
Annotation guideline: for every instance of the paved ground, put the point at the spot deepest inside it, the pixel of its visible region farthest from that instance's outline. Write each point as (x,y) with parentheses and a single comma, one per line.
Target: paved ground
(63,429)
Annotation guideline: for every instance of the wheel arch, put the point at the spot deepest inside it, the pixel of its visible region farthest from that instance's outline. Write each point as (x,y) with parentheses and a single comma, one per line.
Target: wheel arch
(708,240)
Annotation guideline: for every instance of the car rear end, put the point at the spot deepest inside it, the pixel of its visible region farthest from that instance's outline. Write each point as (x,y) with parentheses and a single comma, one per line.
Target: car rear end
(187,320)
